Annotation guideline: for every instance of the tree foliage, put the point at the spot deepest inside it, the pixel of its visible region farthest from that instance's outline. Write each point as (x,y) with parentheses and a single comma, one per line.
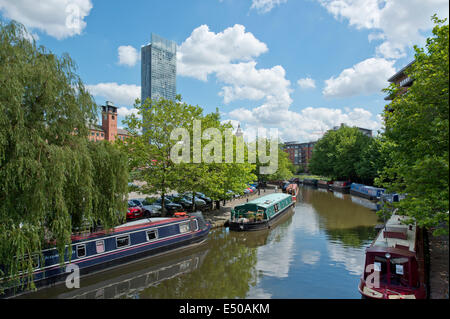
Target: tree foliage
(416,135)
(150,151)
(345,154)
(50,174)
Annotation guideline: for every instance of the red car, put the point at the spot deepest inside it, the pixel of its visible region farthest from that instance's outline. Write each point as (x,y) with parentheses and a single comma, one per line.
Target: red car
(134,211)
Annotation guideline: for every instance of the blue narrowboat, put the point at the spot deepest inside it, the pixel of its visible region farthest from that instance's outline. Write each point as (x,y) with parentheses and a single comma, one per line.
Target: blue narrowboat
(261,213)
(133,240)
(365,191)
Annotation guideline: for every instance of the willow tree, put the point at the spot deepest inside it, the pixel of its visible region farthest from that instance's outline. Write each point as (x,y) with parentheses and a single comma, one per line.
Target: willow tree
(49,172)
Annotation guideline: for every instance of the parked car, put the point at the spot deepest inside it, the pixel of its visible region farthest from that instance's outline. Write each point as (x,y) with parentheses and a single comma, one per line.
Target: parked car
(169,205)
(134,211)
(200,203)
(201,196)
(179,199)
(150,209)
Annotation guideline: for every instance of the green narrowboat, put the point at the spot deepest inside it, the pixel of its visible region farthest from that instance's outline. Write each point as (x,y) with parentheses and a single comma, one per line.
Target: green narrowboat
(261,213)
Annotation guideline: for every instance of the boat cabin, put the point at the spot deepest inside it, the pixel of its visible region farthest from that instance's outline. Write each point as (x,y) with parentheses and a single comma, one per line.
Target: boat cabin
(393,262)
(263,208)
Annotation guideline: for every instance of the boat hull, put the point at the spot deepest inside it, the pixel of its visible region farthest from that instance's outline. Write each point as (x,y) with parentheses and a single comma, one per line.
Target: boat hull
(52,275)
(363,195)
(261,225)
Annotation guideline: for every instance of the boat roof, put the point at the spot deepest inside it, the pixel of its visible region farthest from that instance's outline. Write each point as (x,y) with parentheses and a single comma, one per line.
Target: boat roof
(268,200)
(395,224)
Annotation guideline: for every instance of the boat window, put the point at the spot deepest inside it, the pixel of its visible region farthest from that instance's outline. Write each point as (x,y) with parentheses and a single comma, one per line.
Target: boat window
(152,235)
(193,225)
(276,207)
(81,251)
(184,228)
(123,241)
(399,271)
(380,265)
(100,246)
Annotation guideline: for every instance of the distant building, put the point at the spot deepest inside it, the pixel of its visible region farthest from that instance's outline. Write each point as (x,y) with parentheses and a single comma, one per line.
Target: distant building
(365,131)
(158,69)
(108,130)
(239,132)
(299,153)
(402,80)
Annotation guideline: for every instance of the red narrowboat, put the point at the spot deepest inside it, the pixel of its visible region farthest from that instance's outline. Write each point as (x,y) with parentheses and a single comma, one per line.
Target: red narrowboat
(394,266)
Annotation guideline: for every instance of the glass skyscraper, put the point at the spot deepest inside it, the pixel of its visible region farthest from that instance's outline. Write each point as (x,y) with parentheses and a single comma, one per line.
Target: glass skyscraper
(158,69)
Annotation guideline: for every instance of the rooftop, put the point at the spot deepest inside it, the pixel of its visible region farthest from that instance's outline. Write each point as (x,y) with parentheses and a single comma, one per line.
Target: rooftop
(395,225)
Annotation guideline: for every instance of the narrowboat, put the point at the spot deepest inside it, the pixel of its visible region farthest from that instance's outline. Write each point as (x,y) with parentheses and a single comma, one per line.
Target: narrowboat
(324,184)
(292,189)
(343,187)
(119,284)
(394,266)
(130,241)
(365,191)
(310,181)
(261,213)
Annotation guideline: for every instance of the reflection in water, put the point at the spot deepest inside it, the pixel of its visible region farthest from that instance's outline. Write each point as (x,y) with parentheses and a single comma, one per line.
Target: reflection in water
(316,252)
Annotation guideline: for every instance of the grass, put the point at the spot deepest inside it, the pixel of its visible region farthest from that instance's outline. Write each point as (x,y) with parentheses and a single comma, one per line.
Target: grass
(303,176)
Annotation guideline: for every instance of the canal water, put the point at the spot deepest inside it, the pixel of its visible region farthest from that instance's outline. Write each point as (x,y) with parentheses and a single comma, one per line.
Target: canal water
(316,251)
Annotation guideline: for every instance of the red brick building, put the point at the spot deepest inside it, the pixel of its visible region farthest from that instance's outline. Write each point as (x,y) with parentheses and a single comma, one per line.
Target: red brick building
(299,153)
(402,80)
(108,130)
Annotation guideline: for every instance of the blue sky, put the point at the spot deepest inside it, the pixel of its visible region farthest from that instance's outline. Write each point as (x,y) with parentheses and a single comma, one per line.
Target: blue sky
(302,66)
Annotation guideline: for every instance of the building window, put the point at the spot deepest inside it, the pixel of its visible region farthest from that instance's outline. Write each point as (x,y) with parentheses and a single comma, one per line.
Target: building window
(102,134)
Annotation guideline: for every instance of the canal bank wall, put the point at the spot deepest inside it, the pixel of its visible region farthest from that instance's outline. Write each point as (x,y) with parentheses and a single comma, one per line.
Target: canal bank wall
(220,217)
(438,265)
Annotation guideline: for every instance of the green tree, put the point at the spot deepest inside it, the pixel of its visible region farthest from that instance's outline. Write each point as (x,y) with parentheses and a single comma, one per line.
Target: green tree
(338,154)
(416,135)
(149,147)
(48,168)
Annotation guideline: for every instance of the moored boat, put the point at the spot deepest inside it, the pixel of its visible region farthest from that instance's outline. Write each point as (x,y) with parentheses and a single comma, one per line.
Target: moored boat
(341,186)
(324,184)
(310,181)
(394,266)
(292,189)
(261,213)
(365,191)
(133,240)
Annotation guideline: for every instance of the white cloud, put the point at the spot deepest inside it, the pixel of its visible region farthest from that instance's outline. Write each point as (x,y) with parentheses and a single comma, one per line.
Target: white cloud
(264,6)
(57,18)
(124,111)
(366,77)
(308,124)
(128,55)
(400,23)
(229,55)
(307,83)
(118,93)
(206,52)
